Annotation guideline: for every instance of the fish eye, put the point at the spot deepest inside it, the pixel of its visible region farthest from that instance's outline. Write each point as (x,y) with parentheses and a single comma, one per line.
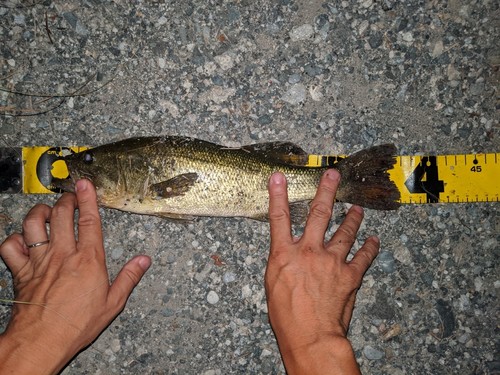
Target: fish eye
(88,158)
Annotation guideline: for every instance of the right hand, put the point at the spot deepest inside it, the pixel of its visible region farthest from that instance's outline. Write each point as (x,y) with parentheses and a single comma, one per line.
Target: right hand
(311,287)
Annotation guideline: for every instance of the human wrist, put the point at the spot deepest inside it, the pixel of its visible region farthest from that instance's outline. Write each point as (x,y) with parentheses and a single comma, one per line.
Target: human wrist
(326,355)
(30,351)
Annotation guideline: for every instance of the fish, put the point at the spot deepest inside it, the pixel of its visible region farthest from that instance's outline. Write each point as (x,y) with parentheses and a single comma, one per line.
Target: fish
(183,178)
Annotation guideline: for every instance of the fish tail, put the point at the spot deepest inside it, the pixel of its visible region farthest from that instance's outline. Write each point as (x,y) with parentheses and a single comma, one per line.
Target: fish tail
(365,178)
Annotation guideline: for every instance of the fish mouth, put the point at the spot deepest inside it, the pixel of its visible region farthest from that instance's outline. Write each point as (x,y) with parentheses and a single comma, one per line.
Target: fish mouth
(64,184)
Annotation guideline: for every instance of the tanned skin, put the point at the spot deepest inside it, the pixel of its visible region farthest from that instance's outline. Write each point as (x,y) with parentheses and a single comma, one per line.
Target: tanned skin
(311,287)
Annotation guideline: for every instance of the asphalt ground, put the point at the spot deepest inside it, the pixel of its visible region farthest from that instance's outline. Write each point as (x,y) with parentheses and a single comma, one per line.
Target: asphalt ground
(333,77)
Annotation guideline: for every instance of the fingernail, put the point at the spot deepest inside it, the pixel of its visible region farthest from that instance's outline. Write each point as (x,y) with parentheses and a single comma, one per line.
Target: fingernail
(81,185)
(278,178)
(376,239)
(332,174)
(144,263)
(358,209)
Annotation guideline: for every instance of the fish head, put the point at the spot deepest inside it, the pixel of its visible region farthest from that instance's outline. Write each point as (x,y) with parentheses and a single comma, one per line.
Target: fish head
(97,165)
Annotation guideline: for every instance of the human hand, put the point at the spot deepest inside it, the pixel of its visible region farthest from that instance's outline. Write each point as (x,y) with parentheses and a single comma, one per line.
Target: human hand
(64,299)
(310,286)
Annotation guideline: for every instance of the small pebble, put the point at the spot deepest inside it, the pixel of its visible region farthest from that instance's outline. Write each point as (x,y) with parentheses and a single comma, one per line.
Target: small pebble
(265,120)
(301,32)
(367,3)
(228,277)
(19,19)
(408,36)
(212,297)
(438,49)
(246,291)
(386,262)
(117,253)
(295,95)
(375,40)
(115,345)
(373,354)
(294,78)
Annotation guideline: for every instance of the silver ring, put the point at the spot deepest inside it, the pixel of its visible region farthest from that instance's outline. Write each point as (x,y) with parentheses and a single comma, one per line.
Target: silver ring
(36,244)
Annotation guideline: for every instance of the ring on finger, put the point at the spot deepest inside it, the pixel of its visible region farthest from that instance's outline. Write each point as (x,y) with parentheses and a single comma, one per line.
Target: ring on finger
(36,244)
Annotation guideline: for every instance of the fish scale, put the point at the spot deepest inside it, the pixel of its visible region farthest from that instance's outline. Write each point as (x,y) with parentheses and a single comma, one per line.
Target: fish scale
(231,182)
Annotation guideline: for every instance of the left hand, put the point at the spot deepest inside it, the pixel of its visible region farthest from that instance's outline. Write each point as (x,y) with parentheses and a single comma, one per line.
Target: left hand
(65,299)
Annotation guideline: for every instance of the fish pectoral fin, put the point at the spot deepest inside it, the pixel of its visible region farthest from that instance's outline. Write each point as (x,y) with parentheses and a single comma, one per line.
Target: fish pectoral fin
(178,185)
(286,152)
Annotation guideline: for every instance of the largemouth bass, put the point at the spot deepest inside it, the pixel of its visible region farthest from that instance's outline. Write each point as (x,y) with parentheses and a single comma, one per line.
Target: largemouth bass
(180,177)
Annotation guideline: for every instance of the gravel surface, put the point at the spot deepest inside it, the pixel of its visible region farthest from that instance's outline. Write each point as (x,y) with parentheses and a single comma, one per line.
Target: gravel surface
(333,77)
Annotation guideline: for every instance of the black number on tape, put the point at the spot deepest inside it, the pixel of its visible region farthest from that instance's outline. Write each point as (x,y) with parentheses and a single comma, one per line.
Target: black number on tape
(432,186)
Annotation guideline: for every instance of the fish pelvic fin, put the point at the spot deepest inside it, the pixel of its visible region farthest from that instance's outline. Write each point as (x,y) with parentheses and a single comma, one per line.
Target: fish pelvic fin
(298,213)
(365,179)
(178,185)
(176,217)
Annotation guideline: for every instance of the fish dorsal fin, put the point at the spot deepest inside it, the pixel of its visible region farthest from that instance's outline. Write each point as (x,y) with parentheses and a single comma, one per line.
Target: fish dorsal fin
(178,185)
(286,152)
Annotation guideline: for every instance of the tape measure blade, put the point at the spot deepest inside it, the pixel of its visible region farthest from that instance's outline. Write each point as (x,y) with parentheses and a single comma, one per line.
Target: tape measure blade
(442,178)
(420,179)
(447,178)
(36,171)
(41,164)
(474,177)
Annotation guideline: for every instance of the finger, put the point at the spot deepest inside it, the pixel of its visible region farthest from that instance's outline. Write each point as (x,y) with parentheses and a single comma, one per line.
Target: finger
(279,211)
(125,282)
(364,257)
(14,253)
(89,220)
(35,230)
(322,207)
(62,229)
(344,237)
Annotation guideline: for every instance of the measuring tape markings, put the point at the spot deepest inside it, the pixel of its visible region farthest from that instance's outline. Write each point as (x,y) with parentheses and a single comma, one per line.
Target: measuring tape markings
(41,164)
(457,178)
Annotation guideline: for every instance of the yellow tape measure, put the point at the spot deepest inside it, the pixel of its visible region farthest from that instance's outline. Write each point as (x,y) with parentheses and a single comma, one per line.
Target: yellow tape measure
(40,164)
(448,178)
(440,179)
(420,179)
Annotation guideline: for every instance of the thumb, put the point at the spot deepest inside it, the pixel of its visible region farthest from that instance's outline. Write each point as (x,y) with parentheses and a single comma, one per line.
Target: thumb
(127,279)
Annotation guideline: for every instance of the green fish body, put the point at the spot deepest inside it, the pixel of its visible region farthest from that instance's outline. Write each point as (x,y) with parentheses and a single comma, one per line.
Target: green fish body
(181,177)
